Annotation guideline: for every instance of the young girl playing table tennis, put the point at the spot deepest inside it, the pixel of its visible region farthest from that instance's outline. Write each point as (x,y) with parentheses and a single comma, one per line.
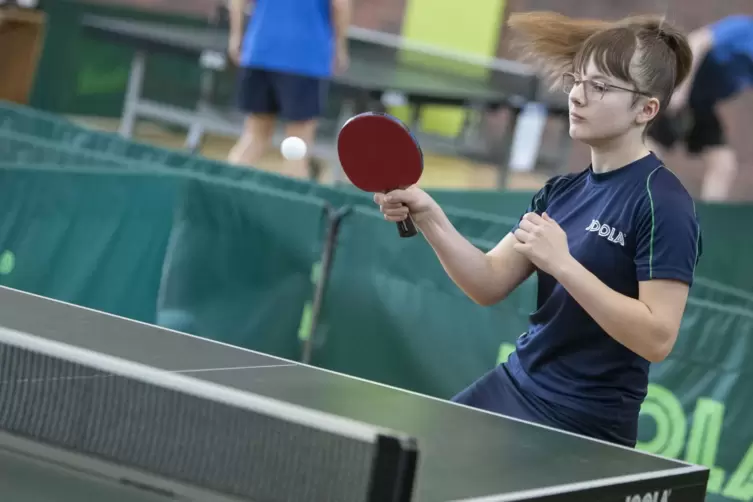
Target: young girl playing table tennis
(614,246)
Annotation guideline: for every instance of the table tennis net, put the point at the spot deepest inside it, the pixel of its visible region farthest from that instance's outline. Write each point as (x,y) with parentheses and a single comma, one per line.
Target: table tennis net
(129,420)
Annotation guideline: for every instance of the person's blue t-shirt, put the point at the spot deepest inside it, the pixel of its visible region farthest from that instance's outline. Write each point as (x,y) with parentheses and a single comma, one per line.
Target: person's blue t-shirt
(292,36)
(636,223)
(732,50)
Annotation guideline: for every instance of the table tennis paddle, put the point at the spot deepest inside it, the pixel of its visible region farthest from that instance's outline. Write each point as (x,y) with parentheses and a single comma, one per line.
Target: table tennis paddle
(378,153)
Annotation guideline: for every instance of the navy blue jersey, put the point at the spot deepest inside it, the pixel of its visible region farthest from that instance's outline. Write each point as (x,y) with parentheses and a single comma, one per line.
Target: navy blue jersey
(632,224)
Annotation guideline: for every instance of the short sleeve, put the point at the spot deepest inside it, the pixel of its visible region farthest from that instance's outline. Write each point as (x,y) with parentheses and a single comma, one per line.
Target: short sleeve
(668,234)
(539,201)
(731,29)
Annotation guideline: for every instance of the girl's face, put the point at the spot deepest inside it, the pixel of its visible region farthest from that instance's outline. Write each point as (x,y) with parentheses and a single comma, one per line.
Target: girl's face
(603,108)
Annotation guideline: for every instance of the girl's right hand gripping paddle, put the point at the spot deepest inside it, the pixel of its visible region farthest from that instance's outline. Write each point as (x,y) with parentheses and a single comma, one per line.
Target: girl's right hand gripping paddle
(378,153)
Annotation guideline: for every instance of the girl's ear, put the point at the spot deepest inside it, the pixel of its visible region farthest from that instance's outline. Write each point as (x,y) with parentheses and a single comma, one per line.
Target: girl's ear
(648,112)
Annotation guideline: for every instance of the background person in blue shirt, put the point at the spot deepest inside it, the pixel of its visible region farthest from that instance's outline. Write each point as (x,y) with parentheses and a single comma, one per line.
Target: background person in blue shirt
(614,247)
(722,68)
(286,55)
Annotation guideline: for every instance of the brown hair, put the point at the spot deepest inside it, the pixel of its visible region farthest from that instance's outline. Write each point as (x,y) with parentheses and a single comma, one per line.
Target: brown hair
(657,53)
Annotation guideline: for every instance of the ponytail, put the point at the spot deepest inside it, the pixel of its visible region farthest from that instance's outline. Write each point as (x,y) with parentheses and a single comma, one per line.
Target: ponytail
(550,40)
(678,44)
(556,43)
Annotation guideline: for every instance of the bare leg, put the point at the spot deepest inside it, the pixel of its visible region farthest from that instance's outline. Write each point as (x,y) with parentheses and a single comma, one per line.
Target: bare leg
(306,130)
(721,171)
(254,141)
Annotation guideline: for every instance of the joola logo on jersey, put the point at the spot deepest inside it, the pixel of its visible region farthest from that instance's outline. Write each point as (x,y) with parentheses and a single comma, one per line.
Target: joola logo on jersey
(604,230)
(662,496)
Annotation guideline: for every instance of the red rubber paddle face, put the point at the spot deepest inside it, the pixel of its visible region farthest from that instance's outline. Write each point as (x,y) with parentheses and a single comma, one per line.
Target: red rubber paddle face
(378,153)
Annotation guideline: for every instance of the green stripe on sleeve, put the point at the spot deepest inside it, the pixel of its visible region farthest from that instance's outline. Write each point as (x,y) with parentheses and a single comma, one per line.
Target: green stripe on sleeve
(653,225)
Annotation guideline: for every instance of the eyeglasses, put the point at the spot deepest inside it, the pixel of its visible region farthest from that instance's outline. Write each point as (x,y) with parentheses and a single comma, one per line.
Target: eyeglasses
(592,88)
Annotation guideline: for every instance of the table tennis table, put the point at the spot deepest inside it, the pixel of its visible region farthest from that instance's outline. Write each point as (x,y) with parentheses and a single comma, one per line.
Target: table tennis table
(379,74)
(99,407)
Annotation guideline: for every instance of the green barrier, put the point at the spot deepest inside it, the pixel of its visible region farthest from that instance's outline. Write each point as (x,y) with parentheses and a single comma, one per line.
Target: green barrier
(29,136)
(726,250)
(224,268)
(490,229)
(93,237)
(23,150)
(238,265)
(721,294)
(698,406)
(391,314)
(20,121)
(17,121)
(29,127)
(24,130)
(508,203)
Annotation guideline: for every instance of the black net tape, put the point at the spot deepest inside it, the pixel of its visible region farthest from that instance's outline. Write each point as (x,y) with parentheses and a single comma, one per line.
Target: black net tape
(179,436)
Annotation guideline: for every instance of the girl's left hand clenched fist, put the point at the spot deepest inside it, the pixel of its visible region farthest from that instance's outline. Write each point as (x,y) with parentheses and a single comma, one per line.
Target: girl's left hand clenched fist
(543,241)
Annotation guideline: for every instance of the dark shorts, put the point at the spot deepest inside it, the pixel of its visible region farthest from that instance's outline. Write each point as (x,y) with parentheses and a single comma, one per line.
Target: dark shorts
(698,125)
(498,392)
(291,97)
(699,128)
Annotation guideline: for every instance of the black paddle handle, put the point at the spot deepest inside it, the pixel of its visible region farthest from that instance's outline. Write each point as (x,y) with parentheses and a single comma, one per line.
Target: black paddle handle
(406,228)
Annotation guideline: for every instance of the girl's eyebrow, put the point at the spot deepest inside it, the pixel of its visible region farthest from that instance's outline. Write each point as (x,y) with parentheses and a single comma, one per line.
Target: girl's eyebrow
(599,75)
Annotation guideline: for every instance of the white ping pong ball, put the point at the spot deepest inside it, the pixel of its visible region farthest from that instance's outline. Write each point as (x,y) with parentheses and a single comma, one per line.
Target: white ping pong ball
(293,148)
